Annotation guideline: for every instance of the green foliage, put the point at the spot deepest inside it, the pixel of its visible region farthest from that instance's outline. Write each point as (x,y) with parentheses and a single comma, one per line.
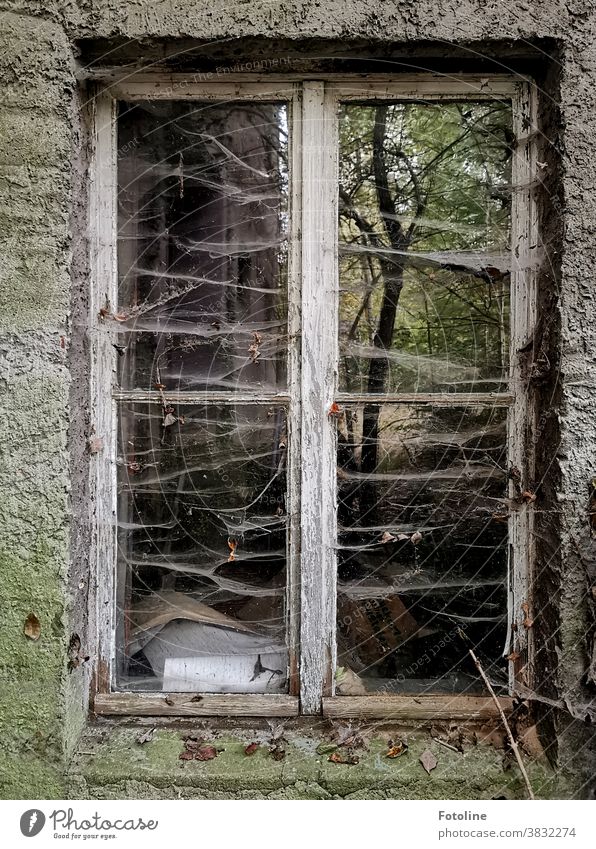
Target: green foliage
(447,167)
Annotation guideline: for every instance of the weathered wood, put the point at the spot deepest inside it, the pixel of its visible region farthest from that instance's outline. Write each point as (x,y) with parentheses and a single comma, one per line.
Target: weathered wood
(319,358)
(163,85)
(400,708)
(137,396)
(294,414)
(102,294)
(439,399)
(522,415)
(187,704)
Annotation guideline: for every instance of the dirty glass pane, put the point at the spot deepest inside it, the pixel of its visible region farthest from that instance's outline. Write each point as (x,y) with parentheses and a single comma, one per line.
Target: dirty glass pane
(424,223)
(422,547)
(202,548)
(202,245)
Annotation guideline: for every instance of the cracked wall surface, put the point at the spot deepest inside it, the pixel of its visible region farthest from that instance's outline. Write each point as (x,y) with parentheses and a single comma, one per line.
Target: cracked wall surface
(43,348)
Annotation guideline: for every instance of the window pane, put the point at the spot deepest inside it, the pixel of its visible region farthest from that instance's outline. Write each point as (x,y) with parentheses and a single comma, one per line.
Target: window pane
(422,547)
(202,247)
(202,548)
(424,219)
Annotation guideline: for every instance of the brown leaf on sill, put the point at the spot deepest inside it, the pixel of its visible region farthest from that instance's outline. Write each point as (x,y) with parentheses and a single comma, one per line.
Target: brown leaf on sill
(251,748)
(206,753)
(343,758)
(32,627)
(428,761)
(145,737)
(397,749)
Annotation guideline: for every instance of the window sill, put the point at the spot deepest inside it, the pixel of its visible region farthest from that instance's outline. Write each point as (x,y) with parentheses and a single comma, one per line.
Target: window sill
(111,763)
(397,708)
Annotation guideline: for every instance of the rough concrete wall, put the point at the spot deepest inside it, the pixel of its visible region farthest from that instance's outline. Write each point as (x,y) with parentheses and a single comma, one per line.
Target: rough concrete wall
(35,143)
(41,706)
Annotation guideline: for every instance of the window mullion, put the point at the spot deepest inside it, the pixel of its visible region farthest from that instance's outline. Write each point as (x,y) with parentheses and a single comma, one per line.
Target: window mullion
(319,358)
(524,249)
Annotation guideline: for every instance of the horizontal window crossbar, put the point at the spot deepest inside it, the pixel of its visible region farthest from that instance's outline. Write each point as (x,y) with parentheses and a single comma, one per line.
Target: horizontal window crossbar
(174,397)
(439,399)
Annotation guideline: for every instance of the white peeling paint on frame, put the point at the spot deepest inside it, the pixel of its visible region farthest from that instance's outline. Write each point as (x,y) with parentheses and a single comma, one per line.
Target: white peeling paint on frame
(319,357)
(313,357)
(102,296)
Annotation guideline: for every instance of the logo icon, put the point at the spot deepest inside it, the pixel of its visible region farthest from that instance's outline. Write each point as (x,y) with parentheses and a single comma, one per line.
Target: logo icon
(32,822)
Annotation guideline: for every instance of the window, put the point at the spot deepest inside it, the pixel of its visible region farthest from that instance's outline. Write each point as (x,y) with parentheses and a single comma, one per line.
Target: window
(309,301)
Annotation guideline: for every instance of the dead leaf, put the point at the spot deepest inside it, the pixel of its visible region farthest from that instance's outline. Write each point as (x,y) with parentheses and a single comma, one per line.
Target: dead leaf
(513,656)
(254,349)
(32,627)
(206,753)
(95,444)
(169,420)
(416,537)
(232,545)
(527,622)
(397,749)
(387,537)
(146,736)
(277,753)
(403,537)
(251,748)
(428,760)
(343,758)
(500,517)
(186,755)
(334,409)
(528,496)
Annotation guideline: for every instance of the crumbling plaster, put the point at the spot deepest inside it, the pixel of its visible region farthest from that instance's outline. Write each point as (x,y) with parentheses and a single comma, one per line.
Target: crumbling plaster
(45,528)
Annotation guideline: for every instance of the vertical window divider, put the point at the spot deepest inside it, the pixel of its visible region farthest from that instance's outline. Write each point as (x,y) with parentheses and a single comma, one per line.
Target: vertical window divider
(319,369)
(294,392)
(522,414)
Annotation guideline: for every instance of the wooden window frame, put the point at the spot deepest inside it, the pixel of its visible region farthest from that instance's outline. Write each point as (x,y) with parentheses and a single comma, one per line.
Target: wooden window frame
(313,358)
